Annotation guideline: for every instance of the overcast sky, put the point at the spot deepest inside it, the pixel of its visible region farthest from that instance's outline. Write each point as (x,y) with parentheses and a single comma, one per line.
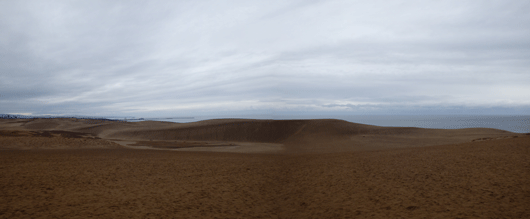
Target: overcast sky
(186,58)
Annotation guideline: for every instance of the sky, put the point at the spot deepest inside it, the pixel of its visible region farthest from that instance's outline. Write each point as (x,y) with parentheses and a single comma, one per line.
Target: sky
(188,58)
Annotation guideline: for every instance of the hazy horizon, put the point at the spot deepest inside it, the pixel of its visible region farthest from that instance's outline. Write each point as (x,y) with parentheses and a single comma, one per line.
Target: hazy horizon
(512,123)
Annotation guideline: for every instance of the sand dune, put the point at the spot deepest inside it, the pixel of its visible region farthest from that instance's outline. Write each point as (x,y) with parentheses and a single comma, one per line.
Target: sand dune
(295,136)
(278,169)
(298,136)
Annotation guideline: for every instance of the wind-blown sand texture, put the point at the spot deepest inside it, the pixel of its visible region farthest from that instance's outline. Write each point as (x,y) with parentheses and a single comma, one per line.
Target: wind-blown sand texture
(68,168)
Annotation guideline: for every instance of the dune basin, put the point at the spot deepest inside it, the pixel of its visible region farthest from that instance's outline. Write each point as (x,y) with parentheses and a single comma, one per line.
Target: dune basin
(242,168)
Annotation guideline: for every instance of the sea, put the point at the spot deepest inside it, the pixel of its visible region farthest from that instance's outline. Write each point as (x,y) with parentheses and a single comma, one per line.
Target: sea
(517,124)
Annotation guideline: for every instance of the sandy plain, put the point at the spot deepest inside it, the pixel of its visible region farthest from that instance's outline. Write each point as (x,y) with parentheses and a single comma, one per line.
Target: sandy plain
(234,168)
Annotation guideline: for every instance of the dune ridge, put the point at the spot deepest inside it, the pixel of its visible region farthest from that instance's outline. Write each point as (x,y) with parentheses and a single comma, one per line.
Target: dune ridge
(294,136)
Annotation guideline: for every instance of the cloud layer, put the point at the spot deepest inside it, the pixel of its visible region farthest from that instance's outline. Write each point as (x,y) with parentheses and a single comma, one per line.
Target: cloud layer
(209,57)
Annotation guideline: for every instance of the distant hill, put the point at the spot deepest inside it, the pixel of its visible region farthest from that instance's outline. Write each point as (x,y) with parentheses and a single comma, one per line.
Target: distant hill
(11,116)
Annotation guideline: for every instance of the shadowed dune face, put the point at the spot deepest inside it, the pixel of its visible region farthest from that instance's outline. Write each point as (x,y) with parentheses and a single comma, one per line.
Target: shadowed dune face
(308,136)
(272,131)
(246,131)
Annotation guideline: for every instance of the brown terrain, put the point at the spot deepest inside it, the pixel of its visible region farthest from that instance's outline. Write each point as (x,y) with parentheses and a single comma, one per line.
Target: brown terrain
(236,168)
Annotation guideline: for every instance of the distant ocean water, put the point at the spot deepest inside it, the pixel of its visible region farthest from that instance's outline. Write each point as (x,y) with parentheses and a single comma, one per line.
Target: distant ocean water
(518,124)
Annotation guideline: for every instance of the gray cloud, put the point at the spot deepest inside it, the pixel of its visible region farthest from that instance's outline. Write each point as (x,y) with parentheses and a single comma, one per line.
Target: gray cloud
(166,57)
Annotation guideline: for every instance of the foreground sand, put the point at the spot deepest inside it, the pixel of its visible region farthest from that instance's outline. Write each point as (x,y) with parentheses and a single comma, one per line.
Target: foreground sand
(398,177)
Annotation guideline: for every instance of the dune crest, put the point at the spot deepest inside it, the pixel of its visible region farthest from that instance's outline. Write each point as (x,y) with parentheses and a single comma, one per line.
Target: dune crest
(247,135)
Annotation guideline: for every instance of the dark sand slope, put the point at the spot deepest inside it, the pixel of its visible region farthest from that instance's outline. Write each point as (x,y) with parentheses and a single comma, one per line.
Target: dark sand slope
(326,169)
(307,136)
